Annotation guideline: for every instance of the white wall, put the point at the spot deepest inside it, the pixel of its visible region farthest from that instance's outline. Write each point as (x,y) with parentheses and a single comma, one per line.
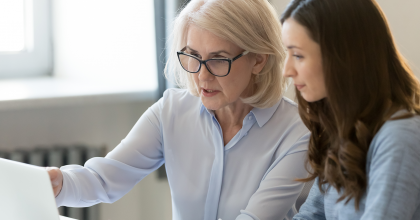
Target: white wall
(94,124)
(404,20)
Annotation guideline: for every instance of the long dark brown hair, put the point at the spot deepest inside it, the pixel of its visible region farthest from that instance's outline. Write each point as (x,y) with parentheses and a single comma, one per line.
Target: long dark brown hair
(367,80)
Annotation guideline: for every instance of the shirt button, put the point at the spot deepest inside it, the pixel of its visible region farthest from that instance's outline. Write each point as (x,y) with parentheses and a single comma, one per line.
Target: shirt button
(250,117)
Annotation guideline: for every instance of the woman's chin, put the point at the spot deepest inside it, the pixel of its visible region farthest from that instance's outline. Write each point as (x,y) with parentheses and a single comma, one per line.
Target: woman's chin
(312,98)
(211,107)
(210,104)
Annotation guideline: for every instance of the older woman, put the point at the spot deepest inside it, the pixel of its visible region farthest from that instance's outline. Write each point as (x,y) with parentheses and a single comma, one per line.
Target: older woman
(232,145)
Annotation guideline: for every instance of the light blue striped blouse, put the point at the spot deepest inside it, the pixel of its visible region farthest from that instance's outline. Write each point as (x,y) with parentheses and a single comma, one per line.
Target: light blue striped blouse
(393,169)
(250,178)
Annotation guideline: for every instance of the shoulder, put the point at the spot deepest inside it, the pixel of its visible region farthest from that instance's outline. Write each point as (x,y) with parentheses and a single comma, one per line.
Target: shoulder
(287,113)
(174,102)
(179,98)
(289,102)
(397,138)
(286,122)
(177,94)
(288,108)
(399,132)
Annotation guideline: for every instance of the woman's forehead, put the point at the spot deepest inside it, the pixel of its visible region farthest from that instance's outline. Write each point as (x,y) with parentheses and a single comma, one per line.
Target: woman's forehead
(294,35)
(201,40)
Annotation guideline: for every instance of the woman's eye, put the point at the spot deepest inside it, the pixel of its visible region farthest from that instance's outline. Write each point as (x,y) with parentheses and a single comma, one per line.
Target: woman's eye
(196,55)
(298,57)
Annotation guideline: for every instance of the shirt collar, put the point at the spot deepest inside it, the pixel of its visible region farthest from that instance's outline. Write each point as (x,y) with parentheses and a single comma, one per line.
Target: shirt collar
(204,109)
(262,115)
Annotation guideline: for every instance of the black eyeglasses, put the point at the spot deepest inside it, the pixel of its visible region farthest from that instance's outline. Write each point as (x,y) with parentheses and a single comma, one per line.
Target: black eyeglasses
(216,66)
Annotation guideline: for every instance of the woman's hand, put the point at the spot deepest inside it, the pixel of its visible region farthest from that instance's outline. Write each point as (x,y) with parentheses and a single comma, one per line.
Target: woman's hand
(56,177)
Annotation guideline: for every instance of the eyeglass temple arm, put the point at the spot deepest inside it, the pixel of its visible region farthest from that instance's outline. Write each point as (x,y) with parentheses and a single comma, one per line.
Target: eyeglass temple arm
(240,55)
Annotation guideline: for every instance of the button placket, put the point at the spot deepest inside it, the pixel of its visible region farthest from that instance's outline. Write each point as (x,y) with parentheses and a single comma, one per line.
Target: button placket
(216,177)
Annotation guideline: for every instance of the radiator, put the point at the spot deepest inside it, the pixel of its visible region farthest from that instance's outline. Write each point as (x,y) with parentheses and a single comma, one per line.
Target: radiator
(56,157)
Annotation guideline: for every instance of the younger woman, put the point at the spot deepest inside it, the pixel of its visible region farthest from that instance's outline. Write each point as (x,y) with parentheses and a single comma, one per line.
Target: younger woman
(360,100)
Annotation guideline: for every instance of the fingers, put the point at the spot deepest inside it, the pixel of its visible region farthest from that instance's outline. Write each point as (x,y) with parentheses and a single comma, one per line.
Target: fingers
(51,172)
(56,178)
(55,175)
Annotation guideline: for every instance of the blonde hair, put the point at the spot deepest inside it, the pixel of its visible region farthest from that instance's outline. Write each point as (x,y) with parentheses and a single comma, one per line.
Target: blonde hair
(253,25)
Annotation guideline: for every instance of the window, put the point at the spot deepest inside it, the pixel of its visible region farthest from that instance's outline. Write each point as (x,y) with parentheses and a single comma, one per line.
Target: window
(107,45)
(25,38)
(12,22)
(105,41)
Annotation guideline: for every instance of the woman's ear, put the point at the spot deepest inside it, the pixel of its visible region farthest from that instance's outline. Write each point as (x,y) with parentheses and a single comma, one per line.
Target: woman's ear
(260,61)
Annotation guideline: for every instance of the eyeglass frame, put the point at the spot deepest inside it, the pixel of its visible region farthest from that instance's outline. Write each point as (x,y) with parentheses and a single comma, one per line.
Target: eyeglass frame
(205,61)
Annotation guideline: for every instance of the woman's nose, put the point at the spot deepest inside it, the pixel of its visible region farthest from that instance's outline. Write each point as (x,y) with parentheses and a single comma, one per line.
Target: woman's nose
(288,69)
(204,74)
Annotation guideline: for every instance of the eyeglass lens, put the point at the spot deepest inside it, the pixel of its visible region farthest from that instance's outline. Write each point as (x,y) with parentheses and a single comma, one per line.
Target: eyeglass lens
(216,67)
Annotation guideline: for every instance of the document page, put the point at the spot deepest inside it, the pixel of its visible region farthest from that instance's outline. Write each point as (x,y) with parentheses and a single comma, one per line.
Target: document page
(66,218)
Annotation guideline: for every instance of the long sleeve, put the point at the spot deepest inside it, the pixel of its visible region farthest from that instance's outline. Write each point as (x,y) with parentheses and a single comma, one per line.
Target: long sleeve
(108,179)
(313,208)
(278,191)
(394,173)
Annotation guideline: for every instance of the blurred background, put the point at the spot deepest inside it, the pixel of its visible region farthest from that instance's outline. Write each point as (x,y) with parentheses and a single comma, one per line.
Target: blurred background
(76,75)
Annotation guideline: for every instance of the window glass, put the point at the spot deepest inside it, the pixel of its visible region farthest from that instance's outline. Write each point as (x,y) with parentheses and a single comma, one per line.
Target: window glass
(12,25)
(25,38)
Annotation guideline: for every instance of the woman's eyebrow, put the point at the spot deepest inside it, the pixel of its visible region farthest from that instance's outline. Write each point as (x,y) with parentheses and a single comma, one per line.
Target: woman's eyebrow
(219,52)
(292,47)
(212,53)
(190,49)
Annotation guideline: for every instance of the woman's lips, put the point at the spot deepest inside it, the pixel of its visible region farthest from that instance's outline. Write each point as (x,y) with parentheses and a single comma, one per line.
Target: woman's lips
(299,87)
(209,92)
